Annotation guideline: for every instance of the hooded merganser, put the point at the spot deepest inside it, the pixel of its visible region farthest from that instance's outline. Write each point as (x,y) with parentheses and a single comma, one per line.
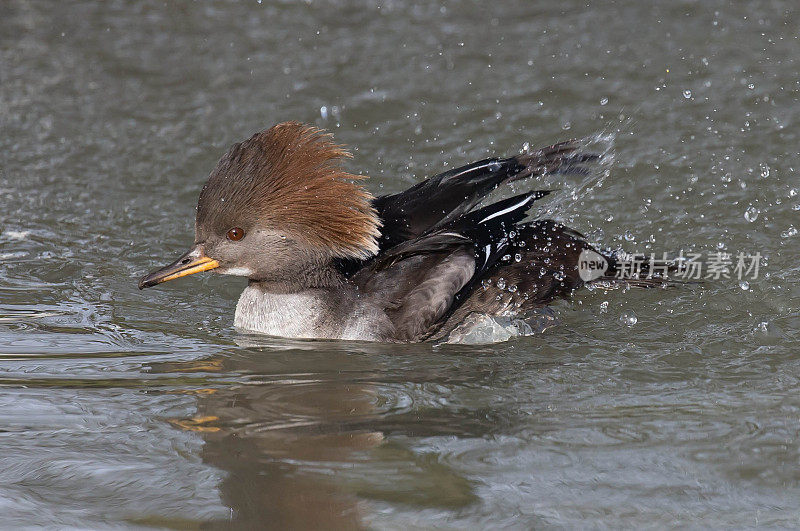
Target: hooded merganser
(326,259)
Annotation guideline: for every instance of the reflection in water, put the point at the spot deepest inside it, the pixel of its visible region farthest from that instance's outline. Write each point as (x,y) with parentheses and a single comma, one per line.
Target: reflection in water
(304,448)
(246,438)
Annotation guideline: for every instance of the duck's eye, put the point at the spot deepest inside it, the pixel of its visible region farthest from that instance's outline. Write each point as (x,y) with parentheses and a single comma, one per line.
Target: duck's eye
(235,234)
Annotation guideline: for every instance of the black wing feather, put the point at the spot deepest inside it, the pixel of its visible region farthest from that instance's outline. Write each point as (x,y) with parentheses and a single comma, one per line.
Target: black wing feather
(408,214)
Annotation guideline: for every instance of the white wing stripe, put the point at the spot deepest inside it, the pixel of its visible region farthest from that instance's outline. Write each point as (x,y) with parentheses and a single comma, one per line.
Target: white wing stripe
(488,251)
(471,170)
(509,209)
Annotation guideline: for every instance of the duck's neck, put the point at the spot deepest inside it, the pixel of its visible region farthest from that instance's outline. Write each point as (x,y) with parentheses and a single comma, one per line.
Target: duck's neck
(314,278)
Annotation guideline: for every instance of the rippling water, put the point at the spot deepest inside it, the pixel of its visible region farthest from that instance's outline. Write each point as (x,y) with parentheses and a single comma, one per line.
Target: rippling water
(640,408)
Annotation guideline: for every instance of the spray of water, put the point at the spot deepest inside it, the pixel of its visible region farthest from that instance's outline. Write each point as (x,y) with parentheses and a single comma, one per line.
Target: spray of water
(575,189)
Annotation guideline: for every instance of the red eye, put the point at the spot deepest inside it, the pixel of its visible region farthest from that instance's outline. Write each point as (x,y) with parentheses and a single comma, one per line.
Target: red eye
(235,234)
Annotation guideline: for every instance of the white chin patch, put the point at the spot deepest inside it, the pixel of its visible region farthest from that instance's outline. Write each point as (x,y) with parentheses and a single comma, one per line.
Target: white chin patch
(237,271)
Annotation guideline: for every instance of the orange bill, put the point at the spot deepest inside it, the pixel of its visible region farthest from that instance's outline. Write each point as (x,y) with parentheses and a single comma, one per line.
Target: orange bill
(194,261)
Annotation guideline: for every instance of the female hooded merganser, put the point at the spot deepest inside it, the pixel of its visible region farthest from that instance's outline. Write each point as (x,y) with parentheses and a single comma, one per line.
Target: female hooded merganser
(326,259)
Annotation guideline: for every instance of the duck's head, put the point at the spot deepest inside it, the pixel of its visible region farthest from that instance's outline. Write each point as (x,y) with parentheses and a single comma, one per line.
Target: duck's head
(277,205)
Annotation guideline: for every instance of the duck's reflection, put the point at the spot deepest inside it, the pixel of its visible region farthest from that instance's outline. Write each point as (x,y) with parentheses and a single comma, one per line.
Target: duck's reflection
(281,432)
(301,431)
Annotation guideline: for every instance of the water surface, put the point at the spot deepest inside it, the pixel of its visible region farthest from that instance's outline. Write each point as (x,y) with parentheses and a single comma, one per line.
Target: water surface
(128,408)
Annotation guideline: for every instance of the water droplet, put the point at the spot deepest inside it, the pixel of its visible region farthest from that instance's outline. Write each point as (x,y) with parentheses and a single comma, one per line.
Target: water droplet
(517,257)
(745,285)
(788,233)
(764,170)
(501,283)
(567,126)
(559,275)
(687,94)
(506,257)
(604,307)
(323,112)
(629,319)
(629,236)
(512,288)
(751,214)
(603,101)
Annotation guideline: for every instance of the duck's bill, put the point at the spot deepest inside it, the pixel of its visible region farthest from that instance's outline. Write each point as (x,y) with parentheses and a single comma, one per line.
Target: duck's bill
(194,261)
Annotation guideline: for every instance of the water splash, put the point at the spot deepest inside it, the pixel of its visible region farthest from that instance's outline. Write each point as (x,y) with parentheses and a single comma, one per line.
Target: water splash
(574,191)
(480,329)
(629,319)
(751,214)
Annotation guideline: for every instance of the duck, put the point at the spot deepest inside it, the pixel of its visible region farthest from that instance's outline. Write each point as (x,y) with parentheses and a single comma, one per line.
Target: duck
(326,259)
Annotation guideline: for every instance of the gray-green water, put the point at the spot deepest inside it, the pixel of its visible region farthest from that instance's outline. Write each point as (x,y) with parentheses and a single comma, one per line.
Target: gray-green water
(128,408)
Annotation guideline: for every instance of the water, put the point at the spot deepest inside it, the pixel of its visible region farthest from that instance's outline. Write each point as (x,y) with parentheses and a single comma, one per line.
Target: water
(129,408)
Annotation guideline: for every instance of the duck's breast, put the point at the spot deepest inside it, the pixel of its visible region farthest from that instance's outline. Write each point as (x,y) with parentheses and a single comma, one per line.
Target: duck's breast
(280,314)
(312,314)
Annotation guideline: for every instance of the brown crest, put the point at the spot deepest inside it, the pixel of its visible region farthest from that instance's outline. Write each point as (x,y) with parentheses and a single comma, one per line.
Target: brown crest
(290,177)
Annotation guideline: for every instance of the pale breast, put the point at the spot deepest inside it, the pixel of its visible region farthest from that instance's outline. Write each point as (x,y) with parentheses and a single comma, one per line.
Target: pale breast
(278,314)
(302,315)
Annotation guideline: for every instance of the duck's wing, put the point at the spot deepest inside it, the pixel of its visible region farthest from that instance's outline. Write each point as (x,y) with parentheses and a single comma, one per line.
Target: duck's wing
(443,198)
(420,282)
(542,263)
(415,290)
